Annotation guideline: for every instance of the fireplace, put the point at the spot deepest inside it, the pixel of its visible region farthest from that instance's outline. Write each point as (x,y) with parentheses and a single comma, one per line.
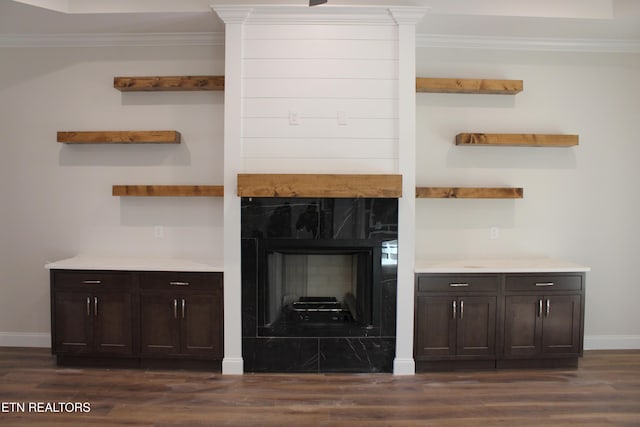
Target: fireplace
(319,284)
(318,287)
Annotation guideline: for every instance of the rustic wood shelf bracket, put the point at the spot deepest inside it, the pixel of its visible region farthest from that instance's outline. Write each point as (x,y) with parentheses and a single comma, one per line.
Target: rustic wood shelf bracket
(168,83)
(319,185)
(476,86)
(120,137)
(469,193)
(168,190)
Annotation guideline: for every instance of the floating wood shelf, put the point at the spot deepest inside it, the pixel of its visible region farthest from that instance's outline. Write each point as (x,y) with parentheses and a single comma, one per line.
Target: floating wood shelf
(477,86)
(469,193)
(423,84)
(319,185)
(168,83)
(168,190)
(516,139)
(120,137)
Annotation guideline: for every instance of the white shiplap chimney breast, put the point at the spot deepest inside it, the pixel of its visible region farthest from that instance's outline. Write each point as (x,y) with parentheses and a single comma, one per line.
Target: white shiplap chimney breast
(328,89)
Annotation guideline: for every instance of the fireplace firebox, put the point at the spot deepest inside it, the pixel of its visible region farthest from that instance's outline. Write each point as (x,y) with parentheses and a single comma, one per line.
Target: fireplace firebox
(318,287)
(319,281)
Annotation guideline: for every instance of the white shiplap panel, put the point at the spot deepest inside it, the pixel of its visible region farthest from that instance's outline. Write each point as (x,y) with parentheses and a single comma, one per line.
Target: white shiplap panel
(321,68)
(316,49)
(320,88)
(320,32)
(382,166)
(332,148)
(321,108)
(319,128)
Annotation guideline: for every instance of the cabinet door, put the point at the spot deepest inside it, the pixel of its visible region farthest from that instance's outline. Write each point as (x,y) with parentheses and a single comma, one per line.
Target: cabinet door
(201,325)
(73,322)
(112,328)
(561,324)
(476,326)
(435,326)
(522,326)
(159,324)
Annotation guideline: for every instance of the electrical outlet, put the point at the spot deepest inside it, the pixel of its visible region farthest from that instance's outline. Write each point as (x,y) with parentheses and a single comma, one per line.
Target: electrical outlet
(494,232)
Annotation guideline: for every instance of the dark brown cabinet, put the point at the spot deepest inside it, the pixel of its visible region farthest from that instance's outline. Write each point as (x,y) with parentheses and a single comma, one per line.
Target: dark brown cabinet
(455,319)
(543,316)
(501,320)
(137,318)
(92,314)
(181,315)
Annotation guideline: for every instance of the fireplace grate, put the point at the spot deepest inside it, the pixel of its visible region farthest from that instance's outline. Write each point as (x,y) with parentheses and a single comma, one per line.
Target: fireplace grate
(318,309)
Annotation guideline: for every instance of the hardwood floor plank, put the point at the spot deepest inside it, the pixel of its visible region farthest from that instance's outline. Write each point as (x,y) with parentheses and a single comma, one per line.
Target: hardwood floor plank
(604,391)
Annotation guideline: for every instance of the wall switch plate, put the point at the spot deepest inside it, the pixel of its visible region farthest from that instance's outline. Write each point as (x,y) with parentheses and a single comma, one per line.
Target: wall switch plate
(158,231)
(342,118)
(294,119)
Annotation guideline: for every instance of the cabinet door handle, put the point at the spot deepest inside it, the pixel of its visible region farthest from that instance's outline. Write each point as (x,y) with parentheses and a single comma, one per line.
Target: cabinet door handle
(179,283)
(95,306)
(539,308)
(91,282)
(461,309)
(455,312)
(183,305)
(88,306)
(547,308)
(545,284)
(175,308)
(458,285)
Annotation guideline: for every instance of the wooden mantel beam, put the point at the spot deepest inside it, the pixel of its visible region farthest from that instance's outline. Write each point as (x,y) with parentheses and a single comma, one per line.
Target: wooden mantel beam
(319,185)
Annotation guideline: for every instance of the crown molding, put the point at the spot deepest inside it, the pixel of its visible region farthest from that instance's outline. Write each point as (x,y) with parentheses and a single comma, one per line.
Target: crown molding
(527,43)
(408,15)
(111,39)
(422,41)
(233,14)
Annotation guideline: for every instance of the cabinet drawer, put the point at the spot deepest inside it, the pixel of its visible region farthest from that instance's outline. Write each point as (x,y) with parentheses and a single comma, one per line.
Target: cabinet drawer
(543,282)
(94,280)
(172,281)
(457,283)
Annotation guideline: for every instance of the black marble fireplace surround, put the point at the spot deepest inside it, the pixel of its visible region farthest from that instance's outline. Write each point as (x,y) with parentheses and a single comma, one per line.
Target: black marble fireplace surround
(319,284)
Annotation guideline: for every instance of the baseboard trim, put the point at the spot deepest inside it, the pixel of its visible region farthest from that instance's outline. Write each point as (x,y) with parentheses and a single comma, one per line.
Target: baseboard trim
(612,342)
(25,339)
(404,366)
(232,366)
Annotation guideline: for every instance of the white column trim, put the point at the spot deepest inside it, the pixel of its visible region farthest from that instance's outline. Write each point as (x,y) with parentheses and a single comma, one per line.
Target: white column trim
(406,19)
(234,18)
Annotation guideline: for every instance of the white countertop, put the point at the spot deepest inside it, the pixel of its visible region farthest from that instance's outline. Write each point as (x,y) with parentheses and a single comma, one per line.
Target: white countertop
(499,265)
(134,264)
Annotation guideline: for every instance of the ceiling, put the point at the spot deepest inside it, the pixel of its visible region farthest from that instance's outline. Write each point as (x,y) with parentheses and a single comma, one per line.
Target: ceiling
(566,19)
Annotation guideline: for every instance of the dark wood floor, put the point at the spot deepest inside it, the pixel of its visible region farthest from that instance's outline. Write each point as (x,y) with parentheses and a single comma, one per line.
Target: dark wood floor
(604,391)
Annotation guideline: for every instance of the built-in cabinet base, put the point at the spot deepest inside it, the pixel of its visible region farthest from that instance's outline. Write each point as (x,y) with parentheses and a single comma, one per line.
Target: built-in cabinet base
(479,365)
(499,321)
(137,319)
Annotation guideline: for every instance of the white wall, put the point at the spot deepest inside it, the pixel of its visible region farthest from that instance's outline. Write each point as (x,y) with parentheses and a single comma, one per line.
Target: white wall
(580,203)
(56,199)
(316,71)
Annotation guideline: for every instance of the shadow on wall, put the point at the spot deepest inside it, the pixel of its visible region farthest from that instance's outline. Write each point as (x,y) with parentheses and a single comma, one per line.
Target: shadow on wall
(19,66)
(126,155)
